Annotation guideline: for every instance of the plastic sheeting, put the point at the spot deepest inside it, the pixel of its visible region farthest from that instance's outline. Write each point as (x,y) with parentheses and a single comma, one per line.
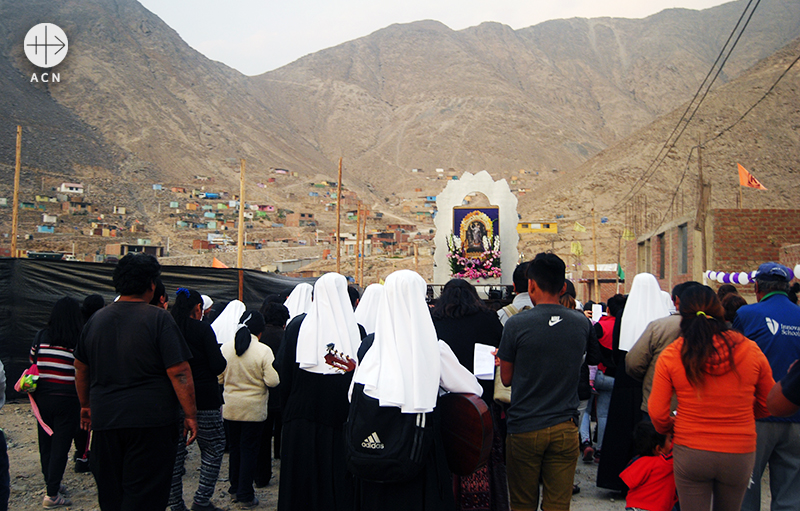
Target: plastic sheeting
(30,287)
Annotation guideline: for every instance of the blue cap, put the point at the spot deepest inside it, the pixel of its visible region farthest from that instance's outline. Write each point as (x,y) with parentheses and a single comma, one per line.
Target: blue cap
(774,271)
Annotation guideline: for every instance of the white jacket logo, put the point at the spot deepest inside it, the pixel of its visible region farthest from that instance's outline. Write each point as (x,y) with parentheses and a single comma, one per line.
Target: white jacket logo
(372,442)
(773,325)
(554,320)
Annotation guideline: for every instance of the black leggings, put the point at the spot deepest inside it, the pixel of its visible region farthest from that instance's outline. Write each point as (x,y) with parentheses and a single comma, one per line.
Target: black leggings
(62,414)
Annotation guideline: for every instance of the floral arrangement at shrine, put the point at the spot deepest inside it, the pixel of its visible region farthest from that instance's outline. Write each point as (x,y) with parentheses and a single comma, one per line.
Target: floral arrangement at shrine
(466,263)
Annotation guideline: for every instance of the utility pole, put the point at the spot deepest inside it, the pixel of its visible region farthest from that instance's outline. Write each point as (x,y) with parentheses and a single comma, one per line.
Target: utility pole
(339,221)
(240,241)
(363,245)
(702,206)
(15,212)
(357,250)
(594,250)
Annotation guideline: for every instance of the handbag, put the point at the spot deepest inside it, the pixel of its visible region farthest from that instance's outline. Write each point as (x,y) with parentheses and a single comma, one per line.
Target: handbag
(502,394)
(27,382)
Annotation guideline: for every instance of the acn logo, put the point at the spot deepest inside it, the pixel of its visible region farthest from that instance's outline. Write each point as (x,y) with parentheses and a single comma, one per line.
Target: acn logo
(46,45)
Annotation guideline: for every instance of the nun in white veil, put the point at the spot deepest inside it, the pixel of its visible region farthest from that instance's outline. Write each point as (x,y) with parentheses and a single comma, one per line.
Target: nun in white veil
(367,310)
(299,300)
(227,323)
(318,357)
(645,303)
(404,366)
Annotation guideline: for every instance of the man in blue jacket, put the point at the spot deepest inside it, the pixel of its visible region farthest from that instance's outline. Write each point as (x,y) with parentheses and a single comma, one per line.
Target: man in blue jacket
(774,323)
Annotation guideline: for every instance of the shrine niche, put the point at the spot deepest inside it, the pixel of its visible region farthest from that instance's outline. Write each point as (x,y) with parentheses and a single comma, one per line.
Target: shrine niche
(478,243)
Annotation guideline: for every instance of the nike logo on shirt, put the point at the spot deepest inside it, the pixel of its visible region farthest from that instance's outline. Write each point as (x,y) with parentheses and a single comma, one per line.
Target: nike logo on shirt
(554,320)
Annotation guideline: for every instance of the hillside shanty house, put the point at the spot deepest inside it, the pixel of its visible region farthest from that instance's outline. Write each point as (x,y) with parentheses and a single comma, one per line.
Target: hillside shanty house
(71,188)
(298,219)
(120,210)
(45,229)
(75,206)
(178,189)
(49,219)
(120,249)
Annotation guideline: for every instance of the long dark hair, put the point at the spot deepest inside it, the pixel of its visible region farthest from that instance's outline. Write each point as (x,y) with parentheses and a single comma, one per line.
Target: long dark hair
(185,301)
(458,299)
(65,324)
(703,318)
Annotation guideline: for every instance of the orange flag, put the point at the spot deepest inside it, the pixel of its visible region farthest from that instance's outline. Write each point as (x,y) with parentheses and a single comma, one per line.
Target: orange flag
(216,263)
(747,179)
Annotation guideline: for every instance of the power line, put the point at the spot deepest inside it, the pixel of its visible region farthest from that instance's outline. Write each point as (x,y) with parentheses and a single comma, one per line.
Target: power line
(670,142)
(722,132)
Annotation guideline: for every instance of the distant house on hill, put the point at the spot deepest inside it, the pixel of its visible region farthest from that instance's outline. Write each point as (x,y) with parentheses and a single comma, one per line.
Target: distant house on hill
(178,189)
(49,219)
(281,171)
(45,229)
(120,210)
(120,249)
(71,188)
(76,206)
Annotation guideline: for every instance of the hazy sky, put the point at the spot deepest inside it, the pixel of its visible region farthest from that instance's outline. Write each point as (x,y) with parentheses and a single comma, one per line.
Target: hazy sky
(255,36)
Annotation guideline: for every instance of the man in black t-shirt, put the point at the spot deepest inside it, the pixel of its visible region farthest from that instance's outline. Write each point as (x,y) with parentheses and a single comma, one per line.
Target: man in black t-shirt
(540,354)
(131,373)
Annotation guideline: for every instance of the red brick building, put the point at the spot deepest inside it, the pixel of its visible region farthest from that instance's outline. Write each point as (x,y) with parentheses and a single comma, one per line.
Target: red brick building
(736,240)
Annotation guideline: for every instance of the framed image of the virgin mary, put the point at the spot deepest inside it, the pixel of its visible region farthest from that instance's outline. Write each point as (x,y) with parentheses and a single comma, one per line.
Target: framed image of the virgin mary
(472,225)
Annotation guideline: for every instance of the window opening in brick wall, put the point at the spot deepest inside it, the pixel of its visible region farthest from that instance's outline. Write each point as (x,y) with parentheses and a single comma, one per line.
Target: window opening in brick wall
(683,249)
(662,256)
(640,258)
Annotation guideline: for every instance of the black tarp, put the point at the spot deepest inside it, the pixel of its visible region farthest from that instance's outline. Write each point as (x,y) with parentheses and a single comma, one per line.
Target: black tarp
(30,287)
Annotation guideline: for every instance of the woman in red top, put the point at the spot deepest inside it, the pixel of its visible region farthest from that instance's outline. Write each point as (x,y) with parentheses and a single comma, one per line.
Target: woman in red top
(721,379)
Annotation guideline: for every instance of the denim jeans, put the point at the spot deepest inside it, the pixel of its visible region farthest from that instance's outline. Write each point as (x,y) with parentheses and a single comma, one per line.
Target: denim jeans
(604,385)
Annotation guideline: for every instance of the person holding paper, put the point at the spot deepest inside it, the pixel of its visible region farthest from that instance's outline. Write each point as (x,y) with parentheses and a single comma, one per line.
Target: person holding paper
(471,329)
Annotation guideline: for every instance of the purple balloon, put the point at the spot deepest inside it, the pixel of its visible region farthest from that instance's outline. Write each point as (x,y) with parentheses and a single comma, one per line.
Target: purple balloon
(726,279)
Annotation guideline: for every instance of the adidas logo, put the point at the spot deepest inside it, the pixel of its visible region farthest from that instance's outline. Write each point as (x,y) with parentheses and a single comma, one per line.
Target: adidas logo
(372,442)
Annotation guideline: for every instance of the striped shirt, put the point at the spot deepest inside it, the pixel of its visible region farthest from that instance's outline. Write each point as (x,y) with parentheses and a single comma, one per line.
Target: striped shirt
(56,367)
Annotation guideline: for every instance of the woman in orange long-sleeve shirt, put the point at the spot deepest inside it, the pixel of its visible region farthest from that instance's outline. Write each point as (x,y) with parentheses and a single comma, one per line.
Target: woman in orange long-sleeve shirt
(721,379)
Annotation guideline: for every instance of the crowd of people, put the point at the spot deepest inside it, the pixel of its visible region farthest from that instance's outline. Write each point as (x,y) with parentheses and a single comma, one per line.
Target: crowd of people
(681,387)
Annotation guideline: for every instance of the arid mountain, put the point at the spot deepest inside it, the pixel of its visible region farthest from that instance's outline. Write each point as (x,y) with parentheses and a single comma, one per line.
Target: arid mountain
(136,100)
(488,97)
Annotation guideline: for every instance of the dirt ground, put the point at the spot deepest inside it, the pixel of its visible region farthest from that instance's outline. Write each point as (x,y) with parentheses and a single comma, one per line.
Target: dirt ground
(27,485)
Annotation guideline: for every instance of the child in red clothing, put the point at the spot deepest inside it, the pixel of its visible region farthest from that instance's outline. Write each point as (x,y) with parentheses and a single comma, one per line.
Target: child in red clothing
(649,476)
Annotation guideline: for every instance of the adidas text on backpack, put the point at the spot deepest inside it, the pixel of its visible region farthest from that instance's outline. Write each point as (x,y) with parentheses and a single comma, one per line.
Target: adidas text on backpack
(383,444)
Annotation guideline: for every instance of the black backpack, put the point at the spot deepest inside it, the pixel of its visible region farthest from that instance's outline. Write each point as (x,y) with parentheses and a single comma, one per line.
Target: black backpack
(384,445)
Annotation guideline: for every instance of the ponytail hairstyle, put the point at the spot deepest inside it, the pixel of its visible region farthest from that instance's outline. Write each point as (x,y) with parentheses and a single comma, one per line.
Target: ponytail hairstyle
(702,319)
(251,322)
(185,301)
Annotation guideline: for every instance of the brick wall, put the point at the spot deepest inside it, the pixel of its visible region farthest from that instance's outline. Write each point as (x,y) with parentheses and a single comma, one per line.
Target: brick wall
(745,238)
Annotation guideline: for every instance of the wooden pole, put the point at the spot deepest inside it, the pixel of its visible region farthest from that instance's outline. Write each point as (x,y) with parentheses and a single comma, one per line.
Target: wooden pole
(15,211)
(357,250)
(594,250)
(339,221)
(363,245)
(416,258)
(619,259)
(240,241)
(741,197)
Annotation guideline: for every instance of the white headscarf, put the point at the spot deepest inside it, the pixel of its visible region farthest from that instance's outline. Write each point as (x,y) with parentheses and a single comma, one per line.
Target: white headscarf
(227,322)
(299,300)
(402,367)
(645,304)
(330,320)
(367,309)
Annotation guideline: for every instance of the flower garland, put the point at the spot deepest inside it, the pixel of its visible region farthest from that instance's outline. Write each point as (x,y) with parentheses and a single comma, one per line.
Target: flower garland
(483,266)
